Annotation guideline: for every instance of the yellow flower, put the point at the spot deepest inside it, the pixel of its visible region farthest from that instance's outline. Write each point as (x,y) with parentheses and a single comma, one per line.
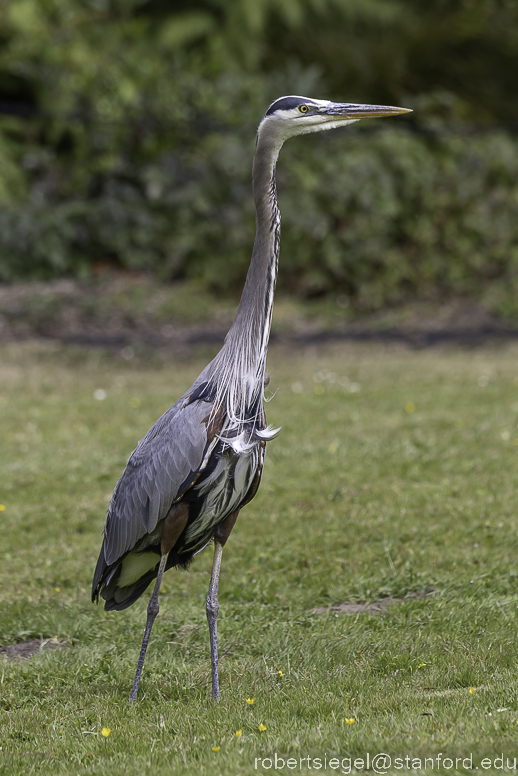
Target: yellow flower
(58,590)
(2,507)
(421,665)
(250,701)
(471,690)
(349,721)
(106,732)
(280,673)
(262,727)
(410,407)
(215,748)
(238,733)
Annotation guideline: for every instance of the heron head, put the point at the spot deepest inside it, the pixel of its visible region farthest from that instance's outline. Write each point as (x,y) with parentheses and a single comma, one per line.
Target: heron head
(289,116)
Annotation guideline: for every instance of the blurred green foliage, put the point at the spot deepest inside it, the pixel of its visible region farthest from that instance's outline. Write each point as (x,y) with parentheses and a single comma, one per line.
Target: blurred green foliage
(127,131)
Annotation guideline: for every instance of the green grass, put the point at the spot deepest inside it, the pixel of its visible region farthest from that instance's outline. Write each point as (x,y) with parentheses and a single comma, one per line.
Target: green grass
(395,471)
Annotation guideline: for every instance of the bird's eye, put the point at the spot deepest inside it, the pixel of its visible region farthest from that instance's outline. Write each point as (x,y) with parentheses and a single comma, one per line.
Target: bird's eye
(303,108)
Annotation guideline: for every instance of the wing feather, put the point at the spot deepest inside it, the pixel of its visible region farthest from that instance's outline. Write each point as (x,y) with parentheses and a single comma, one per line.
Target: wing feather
(162,466)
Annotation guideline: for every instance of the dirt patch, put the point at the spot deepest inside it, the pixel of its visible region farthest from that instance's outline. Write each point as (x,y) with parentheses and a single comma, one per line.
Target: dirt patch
(127,313)
(375,607)
(27,649)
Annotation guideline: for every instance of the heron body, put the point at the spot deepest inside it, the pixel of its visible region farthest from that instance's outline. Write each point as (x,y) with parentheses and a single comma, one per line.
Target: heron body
(202,461)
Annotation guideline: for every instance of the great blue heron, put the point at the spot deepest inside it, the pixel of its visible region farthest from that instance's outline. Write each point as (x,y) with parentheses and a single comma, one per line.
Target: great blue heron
(203,459)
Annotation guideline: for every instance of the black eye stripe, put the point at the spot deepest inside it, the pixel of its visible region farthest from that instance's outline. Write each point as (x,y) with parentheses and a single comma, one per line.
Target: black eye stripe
(286,103)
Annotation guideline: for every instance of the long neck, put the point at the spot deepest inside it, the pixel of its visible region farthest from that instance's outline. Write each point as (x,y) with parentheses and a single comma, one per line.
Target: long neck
(238,369)
(254,314)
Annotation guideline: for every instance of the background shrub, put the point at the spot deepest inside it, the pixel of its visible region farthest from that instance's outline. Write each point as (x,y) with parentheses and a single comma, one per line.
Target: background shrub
(127,133)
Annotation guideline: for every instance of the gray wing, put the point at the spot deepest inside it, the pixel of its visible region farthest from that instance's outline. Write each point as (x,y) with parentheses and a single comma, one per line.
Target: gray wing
(162,466)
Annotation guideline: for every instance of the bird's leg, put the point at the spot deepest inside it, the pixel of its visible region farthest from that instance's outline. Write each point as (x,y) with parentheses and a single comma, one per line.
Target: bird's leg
(221,535)
(174,524)
(212,617)
(152,611)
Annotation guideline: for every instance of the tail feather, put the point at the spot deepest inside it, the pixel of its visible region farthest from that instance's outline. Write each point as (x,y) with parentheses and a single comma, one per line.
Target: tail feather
(107,578)
(122,597)
(99,573)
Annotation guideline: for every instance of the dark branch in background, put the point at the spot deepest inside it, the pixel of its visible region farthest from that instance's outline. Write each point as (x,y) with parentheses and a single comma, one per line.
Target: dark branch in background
(23,109)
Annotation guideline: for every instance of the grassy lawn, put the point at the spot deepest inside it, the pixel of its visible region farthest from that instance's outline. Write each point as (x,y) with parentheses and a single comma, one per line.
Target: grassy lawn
(396,471)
